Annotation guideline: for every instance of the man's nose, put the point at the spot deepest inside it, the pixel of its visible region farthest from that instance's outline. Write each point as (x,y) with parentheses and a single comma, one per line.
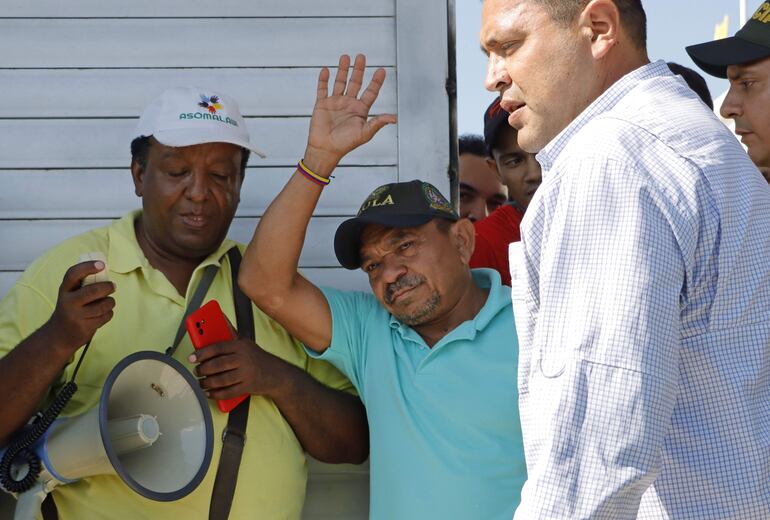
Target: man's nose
(534,173)
(393,268)
(497,75)
(198,187)
(732,106)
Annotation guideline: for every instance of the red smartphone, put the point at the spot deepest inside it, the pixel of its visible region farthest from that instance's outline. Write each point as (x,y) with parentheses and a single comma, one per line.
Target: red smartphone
(209,325)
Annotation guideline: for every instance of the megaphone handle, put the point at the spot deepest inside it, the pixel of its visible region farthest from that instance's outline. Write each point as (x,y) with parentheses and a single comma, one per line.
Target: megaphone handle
(29,502)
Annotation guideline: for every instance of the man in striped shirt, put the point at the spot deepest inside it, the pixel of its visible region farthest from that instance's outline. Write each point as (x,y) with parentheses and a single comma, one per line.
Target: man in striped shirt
(641,287)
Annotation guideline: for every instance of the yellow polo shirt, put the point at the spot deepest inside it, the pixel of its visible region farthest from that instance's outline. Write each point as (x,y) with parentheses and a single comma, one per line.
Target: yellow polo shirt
(273,473)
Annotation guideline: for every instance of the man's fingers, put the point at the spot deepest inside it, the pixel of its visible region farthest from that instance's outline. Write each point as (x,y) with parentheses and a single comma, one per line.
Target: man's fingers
(227,392)
(341,79)
(98,308)
(376,123)
(92,293)
(357,77)
(74,276)
(372,91)
(211,351)
(220,380)
(322,91)
(216,365)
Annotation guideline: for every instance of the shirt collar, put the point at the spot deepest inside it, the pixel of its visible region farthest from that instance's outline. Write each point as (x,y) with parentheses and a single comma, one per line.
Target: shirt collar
(498,298)
(548,155)
(125,255)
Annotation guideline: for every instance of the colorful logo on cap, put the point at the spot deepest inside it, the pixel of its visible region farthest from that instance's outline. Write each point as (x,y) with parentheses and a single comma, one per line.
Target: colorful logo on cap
(435,199)
(210,103)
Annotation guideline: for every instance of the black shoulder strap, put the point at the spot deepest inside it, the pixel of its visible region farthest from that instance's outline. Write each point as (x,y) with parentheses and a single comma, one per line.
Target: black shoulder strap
(234,436)
(48,508)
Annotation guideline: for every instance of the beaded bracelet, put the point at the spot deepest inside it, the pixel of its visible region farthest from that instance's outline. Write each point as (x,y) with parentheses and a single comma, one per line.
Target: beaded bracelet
(304,170)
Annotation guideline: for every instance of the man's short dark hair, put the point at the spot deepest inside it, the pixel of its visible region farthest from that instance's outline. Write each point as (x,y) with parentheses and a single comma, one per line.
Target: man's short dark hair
(472,144)
(140,147)
(632,15)
(695,81)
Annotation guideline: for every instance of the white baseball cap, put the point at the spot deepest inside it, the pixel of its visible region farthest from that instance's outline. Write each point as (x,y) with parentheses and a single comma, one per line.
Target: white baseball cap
(184,116)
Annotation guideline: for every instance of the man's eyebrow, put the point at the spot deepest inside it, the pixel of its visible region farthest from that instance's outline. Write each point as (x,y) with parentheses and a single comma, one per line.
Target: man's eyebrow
(468,187)
(484,49)
(740,73)
(398,236)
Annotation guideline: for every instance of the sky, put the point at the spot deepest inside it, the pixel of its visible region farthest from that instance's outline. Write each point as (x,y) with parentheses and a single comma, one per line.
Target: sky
(671,26)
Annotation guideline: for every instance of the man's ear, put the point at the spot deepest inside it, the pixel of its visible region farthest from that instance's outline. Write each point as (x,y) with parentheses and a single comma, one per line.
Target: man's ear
(464,238)
(137,174)
(600,22)
(493,166)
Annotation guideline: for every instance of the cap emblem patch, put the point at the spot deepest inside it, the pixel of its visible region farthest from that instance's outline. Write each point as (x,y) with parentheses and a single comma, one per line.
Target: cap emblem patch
(435,199)
(210,103)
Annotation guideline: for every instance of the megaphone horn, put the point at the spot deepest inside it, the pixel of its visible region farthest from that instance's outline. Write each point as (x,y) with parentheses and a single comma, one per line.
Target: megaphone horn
(152,428)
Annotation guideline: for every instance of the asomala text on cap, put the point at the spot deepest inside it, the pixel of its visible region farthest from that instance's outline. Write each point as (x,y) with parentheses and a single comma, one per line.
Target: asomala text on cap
(186,116)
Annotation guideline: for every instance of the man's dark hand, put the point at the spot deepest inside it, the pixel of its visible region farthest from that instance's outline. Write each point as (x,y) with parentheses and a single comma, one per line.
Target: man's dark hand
(80,311)
(233,368)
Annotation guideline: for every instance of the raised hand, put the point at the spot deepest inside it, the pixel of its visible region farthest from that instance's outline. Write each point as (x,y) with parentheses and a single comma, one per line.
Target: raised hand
(341,122)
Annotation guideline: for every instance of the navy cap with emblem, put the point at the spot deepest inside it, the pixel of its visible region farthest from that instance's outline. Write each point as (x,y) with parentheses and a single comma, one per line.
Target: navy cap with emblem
(750,43)
(396,205)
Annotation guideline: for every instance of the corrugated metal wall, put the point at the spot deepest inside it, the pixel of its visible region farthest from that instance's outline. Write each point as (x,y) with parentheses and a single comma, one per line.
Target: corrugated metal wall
(74,76)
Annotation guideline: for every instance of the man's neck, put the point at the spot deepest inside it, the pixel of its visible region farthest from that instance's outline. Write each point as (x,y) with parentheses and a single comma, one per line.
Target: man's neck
(466,308)
(178,271)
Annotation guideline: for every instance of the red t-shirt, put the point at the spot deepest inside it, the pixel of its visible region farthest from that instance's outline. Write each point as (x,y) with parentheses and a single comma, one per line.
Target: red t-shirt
(493,234)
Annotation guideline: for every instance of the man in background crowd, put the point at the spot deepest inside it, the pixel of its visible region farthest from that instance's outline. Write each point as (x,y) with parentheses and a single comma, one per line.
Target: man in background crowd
(744,60)
(521,174)
(481,191)
(642,287)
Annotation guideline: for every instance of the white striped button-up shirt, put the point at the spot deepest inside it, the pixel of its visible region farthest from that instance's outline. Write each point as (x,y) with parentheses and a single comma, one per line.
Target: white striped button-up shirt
(642,300)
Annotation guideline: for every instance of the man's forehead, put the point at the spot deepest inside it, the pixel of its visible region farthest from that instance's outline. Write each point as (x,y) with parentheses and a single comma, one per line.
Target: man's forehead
(214,152)
(375,233)
(500,17)
(738,71)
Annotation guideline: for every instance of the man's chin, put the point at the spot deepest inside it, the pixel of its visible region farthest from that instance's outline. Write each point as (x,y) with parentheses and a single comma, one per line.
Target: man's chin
(529,140)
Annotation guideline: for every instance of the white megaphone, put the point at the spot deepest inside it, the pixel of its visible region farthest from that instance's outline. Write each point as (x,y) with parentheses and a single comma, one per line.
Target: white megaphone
(152,428)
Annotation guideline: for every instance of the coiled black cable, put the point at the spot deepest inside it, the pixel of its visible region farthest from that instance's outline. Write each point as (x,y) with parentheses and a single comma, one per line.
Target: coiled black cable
(19,451)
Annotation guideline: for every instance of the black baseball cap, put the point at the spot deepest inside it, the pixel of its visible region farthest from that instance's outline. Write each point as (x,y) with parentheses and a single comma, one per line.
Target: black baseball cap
(750,43)
(494,117)
(397,205)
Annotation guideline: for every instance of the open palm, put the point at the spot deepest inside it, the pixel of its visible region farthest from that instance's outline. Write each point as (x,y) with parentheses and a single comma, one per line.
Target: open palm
(340,121)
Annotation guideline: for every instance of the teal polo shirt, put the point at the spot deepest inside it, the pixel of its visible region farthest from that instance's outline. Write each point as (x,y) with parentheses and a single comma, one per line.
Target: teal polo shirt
(443,421)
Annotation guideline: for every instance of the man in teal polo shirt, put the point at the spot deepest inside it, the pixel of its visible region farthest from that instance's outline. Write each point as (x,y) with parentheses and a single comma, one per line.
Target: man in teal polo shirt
(433,353)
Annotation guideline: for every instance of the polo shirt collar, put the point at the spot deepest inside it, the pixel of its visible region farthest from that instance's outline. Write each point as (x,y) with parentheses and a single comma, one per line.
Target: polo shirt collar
(497,299)
(607,101)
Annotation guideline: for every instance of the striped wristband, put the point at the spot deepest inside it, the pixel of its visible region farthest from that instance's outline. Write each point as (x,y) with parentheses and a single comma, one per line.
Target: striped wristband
(304,170)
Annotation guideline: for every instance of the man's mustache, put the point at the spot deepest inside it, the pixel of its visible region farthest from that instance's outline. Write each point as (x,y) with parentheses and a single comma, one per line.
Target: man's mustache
(408,281)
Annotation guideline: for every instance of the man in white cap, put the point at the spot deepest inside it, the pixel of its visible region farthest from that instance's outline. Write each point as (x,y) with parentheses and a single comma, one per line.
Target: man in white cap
(744,59)
(189,155)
